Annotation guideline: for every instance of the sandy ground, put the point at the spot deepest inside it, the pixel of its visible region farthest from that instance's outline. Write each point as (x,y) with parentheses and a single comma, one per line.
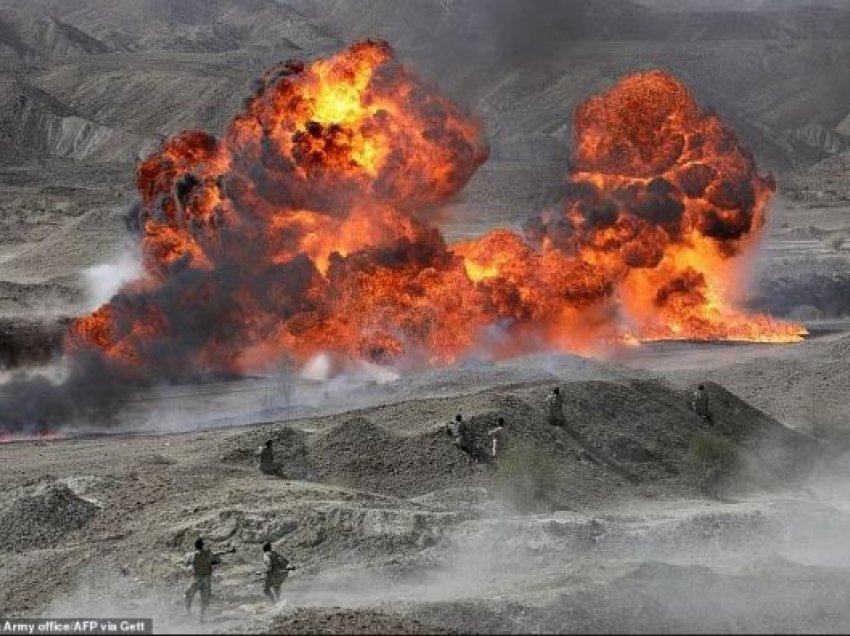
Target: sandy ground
(429,541)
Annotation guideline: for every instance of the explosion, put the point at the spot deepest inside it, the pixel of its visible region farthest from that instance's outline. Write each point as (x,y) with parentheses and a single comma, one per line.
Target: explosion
(304,230)
(662,199)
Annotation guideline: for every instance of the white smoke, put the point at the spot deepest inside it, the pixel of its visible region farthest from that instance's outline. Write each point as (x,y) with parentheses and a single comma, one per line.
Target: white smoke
(103,281)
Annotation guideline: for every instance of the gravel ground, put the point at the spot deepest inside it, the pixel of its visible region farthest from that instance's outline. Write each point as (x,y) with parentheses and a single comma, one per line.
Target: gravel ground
(375,506)
(347,621)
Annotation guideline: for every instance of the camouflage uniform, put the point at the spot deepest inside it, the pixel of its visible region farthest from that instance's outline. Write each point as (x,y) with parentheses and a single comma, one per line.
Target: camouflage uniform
(555,406)
(274,575)
(202,562)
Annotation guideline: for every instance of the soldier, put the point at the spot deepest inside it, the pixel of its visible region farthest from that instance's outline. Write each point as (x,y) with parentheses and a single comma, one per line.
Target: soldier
(266,453)
(497,438)
(275,571)
(699,403)
(452,427)
(555,407)
(202,561)
(463,437)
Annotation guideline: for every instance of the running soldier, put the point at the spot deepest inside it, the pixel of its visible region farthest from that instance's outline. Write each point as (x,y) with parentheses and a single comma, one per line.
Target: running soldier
(275,571)
(201,561)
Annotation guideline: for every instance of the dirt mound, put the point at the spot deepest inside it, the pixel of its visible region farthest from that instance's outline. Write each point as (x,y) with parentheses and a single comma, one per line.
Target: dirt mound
(361,455)
(290,450)
(41,519)
(348,621)
(617,436)
(647,428)
(641,425)
(775,451)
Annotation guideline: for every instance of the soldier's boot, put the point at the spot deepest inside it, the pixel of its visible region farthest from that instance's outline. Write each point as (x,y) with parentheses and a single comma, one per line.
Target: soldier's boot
(203,612)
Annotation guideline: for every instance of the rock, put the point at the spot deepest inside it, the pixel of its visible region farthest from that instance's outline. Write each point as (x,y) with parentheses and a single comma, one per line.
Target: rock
(820,137)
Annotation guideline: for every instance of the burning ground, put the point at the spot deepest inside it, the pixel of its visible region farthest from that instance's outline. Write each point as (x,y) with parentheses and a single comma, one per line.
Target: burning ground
(307,228)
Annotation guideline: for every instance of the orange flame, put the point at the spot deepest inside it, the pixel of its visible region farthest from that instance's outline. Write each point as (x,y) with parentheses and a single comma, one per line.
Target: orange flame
(39,436)
(295,233)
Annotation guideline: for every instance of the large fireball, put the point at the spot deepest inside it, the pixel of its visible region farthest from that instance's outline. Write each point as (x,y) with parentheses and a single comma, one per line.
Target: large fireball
(301,231)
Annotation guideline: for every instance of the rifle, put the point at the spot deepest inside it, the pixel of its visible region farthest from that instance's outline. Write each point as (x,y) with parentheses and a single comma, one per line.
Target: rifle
(288,568)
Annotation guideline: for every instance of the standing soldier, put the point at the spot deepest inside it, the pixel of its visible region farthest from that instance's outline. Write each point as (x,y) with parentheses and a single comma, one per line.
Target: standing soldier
(555,407)
(275,571)
(266,453)
(497,438)
(699,403)
(201,561)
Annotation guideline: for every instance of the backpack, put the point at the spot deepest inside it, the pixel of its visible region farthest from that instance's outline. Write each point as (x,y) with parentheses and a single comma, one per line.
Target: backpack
(202,563)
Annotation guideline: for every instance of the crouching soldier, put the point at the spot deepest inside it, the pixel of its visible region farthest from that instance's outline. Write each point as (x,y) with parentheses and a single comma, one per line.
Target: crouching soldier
(266,455)
(699,403)
(275,572)
(464,437)
(201,561)
(555,407)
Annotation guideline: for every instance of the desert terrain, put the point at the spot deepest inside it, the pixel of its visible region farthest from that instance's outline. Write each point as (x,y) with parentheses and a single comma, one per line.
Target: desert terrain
(637,516)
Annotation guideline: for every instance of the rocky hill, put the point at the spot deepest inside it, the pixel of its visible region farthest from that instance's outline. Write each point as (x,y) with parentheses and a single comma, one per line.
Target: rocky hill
(88,78)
